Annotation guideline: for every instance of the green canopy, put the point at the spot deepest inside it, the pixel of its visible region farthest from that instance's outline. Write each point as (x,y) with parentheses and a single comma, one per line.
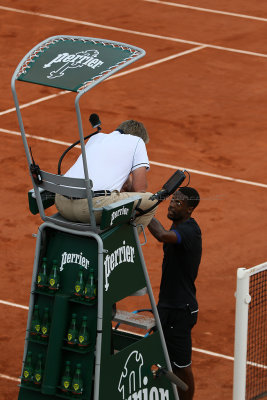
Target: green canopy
(74,63)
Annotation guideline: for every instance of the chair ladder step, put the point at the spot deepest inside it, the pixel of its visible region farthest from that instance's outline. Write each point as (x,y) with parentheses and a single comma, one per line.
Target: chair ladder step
(136,320)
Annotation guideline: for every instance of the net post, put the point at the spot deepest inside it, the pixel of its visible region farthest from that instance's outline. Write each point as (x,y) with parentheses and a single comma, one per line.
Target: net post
(241,329)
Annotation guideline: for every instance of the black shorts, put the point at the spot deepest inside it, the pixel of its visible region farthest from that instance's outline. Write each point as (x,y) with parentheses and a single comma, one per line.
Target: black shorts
(177,325)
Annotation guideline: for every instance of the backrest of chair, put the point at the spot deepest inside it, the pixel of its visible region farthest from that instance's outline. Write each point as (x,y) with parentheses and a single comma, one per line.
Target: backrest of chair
(57,184)
(71,187)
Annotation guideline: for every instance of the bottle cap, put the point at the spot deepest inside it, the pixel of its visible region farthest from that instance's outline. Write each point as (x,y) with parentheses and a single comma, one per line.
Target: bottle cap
(67,362)
(46,308)
(44,259)
(55,261)
(36,306)
(78,365)
(74,315)
(85,318)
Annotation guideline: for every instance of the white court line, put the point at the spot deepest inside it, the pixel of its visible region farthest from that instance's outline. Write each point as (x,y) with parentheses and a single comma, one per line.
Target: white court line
(10,304)
(10,378)
(31,103)
(208,10)
(159,164)
(151,35)
(207,352)
(193,348)
(151,64)
(212,353)
(195,171)
(118,75)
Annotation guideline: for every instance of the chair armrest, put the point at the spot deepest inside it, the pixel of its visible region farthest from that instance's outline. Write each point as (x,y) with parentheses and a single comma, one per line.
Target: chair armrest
(48,199)
(118,213)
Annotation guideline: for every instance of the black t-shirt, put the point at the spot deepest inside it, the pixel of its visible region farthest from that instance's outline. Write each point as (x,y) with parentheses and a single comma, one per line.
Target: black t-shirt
(180,267)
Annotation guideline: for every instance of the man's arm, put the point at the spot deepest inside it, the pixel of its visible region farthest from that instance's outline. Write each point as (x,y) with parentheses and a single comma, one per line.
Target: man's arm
(160,233)
(127,186)
(139,180)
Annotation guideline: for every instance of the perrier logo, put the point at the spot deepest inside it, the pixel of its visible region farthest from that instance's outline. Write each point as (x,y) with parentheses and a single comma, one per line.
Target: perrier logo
(81,339)
(37,377)
(52,282)
(26,374)
(66,384)
(77,288)
(76,386)
(87,58)
(69,337)
(44,330)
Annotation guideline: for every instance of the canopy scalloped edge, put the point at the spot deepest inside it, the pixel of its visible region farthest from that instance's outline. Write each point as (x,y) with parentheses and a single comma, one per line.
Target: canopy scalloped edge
(75,63)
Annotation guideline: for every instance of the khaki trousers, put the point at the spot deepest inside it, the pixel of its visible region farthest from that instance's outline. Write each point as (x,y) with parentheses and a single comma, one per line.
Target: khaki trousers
(77,210)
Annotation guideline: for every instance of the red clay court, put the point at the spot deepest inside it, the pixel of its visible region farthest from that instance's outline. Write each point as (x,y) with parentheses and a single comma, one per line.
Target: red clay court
(201,93)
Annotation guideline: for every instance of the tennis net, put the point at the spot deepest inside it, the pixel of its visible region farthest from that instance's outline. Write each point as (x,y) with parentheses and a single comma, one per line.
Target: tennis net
(250,367)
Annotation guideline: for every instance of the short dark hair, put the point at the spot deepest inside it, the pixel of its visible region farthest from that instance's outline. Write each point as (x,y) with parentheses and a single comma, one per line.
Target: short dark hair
(192,195)
(135,128)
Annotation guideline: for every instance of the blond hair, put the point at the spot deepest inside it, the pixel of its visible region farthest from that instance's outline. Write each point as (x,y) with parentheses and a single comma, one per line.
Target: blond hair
(135,128)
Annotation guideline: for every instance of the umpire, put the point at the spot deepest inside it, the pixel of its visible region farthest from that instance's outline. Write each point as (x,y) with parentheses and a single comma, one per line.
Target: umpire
(177,306)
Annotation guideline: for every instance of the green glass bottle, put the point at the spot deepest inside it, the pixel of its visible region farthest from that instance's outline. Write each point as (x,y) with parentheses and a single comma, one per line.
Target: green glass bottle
(45,324)
(66,378)
(79,283)
(28,369)
(53,279)
(42,277)
(35,323)
(38,371)
(90,287)
(72,334)
(83,337)
(77,382)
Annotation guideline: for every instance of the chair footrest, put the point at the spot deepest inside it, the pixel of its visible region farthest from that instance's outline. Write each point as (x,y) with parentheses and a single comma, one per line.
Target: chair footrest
(140,292)
(136,320)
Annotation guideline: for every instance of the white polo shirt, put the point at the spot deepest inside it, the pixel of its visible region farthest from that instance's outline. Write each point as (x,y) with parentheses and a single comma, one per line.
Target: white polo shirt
(110,159)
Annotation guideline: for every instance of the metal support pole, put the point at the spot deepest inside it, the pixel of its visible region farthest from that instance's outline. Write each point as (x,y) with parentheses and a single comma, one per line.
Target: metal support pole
(241,330)
(86,175)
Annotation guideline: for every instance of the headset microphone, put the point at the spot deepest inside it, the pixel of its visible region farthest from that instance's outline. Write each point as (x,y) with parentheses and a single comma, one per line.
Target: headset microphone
(95,121)
(167,189)
(170,186)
